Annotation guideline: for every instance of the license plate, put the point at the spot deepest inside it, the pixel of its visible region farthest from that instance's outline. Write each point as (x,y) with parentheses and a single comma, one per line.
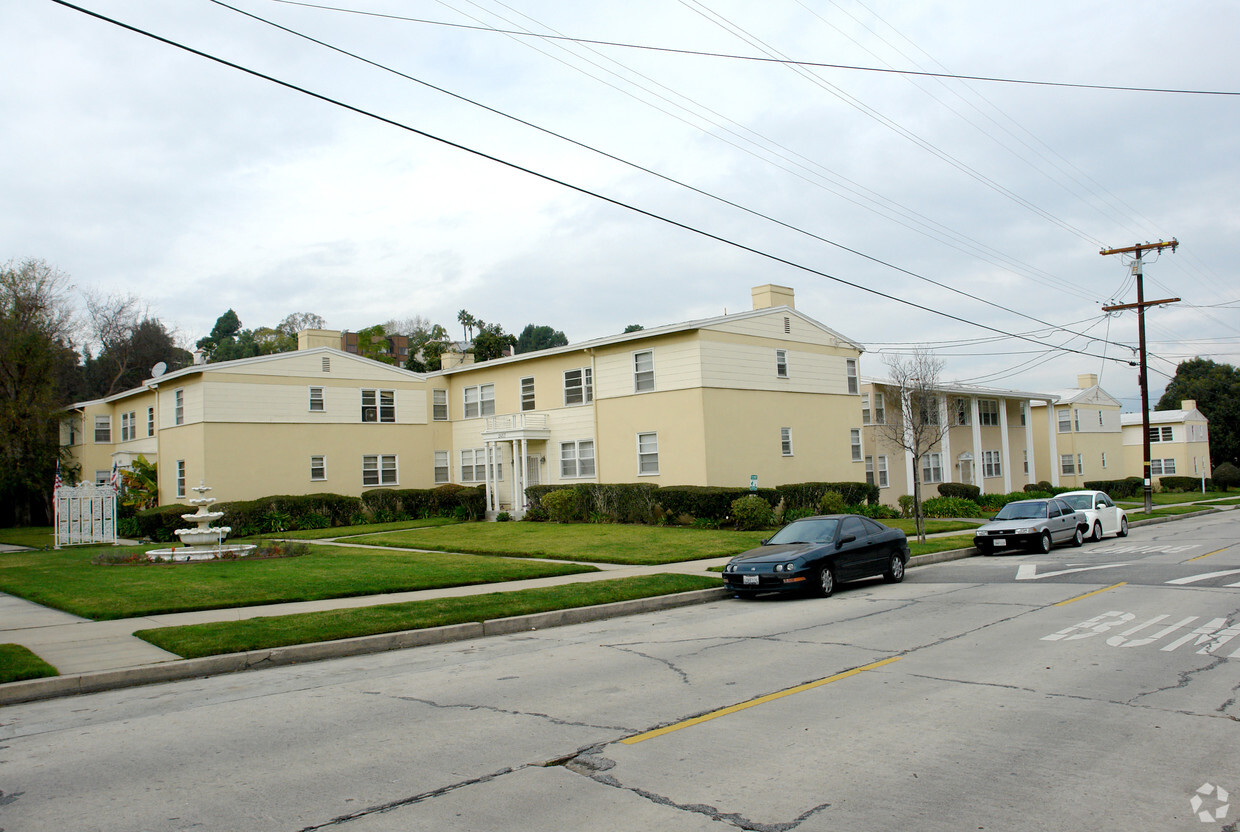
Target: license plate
(998,542)
(751,579)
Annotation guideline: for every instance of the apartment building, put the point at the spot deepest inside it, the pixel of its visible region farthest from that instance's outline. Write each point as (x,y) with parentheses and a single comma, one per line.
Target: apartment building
(1078,435)
(1179,443)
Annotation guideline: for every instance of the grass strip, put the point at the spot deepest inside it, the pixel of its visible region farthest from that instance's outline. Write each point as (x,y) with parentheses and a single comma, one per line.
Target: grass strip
(18,663)
(36,537)
(908,525)
(67,580)
(941,544)
(195,640)
(344,532)
(1165,511)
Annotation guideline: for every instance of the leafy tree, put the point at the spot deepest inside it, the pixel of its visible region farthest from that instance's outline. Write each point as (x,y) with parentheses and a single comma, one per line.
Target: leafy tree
(141,484)
(296,322)
(491,341)
(919,427)
(426,346)
(131,343)
(38,367)
(372,343)
(634,328)
(540,338)
(468,322)
(1216,389)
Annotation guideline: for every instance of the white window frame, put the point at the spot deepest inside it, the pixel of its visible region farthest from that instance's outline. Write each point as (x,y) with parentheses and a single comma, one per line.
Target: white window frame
(150,421)
(643,371)
(382,402)
(1104,459)
(1064,417)
(785,441)
(781,363)
(178,407)
(582,391)
(854,440)
(1067,465)
(318,464)
(1080,464)
(880,410)
(865,408)
(988,412)
(869,470)
(1162,467)
(928,407)
(379,470)
(1076,419)
(850,370)
(527,393)
(439,405)
(883,479)
(317,403)
(577,459)
(992,464)
(443,467)
(103,430)
(648,454)
(180,481)
(473,464)
(129,426)
(1024,413)
(1161,433)
(931,468)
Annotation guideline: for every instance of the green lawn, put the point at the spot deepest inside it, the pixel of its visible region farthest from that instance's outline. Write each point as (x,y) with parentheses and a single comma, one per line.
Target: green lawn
(36,537)
(598,543)
(1166,498)
(369,528)
(67,580)
(304,628)
(909,526)
(18,663)
(1164,511)
(941,544)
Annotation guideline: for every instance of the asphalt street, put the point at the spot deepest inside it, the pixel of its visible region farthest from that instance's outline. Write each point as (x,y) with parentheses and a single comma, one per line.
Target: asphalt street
(1089,688)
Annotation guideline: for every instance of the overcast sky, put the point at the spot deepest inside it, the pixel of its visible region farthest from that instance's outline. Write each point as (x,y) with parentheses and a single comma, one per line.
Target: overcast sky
(134,166)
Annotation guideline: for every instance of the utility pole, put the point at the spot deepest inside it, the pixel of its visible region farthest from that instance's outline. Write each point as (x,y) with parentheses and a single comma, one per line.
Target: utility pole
(1140,305)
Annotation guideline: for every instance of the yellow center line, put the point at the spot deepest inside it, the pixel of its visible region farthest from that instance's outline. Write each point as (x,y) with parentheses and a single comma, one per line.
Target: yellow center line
(761,700)
(1095,592)
(1207,554)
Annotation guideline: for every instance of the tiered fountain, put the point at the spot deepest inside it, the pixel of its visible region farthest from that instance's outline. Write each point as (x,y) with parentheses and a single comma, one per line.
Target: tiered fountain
(204,542)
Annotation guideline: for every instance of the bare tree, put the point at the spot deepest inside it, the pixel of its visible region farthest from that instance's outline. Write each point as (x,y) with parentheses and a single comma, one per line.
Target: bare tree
(920,426)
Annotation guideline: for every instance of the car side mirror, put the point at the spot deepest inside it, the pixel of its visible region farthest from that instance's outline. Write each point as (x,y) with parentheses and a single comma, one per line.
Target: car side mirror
(848,538)
(764,541)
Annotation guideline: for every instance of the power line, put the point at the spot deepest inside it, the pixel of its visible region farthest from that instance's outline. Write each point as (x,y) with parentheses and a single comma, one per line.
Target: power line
(548,178)
(764,59)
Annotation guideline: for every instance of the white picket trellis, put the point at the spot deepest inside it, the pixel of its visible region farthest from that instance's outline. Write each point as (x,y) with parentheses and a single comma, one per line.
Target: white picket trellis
(85,513)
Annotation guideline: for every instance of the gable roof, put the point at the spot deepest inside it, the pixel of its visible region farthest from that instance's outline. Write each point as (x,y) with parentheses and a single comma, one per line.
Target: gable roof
(971,390)
(1090,395)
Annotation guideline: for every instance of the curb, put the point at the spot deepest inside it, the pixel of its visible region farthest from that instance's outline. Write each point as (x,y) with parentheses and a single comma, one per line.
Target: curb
(56,686)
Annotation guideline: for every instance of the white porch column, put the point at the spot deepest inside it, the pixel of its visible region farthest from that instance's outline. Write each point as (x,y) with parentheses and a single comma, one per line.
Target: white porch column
(979,470)
(1052,430)
(516,478)
(486,476)
(525,470)
(1005,447)
(945,444)
(1032,476)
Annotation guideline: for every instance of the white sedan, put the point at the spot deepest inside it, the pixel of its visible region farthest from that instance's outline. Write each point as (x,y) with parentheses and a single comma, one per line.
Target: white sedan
(1104,516)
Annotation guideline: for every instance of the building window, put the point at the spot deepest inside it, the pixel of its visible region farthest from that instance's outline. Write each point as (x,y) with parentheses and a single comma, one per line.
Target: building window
(647,454)
(379,469)
(1024,410)
(932,468)
(1065,420)
(1026,458)
(577,459)
(785,441)
(318,468)
(992,466)
(1066,465)
(439,405)
(876,476)
(1160,434)
(988,412)
(869,470)
(150,421)
(865,408)
(1100,424)
(378,405)
(479,401)
(854,438)
(882,471)
(178,412)
(850,367)
(180,478)
(1080,464)
(787,325)
(643,371)
(527,393)
(474,465)
(781,363)
(1076,419)
(129,426)
(928,409)
(964,414)
(443,472)
(103,429)
(880,411)
(103,477)
(1162,467)
(1104,459)
(316,399)
(579,386)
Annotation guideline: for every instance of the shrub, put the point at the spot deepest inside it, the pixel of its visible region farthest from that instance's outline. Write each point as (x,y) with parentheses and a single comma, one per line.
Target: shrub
(1117,489)
(503,517)
(876,512)
(960,490)
(797,513)
(710,501)
(1174,483)
(994,502)
(1226,476)
(564,505)
(607,503)
(832,502)
(752,512)
(535,514)
(160,524)
(906,505)
(705,523)
(1043,486)
(808,494)
(949,507)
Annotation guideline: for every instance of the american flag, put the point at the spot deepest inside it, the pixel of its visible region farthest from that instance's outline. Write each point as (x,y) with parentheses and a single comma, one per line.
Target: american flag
(58,482)
(115,479)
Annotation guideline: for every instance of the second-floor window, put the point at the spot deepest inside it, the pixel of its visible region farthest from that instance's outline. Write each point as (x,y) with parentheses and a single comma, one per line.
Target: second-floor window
(178,410)
(991,464)
(785,441)
(316,399)
(1065,420)
(880,410)
(479,401)
(579,386)
(439,405)
(103,429)
(643,371)
(781,363)
(527,393)
(150,421)
(378,405)
(850,368)
(129,426)
(854,438)
(1160,434)
(988,412)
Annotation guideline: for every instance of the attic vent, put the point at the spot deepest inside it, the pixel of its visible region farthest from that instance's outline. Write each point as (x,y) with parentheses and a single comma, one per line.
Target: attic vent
(327,364)
(787,325)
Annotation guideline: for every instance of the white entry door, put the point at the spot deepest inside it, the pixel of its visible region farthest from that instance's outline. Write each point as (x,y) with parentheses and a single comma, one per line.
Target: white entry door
(531,468)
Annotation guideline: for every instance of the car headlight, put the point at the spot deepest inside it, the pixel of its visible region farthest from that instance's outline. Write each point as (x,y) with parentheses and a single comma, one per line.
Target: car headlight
(785,567)
(1026,530)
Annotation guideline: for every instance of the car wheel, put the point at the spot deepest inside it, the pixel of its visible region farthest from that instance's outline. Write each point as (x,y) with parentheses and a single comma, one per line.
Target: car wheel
(1044,543)
(1078,537)
(895,571)
(826,582)
(1123,527)
(1097,531)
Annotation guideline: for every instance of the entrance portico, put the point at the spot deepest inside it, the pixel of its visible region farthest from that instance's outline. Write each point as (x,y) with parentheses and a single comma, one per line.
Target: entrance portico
(517,437)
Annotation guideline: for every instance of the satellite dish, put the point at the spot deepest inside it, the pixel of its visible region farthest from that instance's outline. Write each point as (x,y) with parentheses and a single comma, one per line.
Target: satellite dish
(159,369)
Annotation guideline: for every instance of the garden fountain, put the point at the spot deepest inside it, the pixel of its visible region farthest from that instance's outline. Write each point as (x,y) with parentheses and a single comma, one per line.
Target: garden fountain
(204,542)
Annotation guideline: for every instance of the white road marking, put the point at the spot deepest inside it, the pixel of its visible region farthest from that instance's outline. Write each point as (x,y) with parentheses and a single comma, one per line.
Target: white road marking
(1213,634)
(1205,576)
(1029,571)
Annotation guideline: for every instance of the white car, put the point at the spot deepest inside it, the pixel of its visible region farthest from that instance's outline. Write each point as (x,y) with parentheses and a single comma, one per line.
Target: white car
(1104,516)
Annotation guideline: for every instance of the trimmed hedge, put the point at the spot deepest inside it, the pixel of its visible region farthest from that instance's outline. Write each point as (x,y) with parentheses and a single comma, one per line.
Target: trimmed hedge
(629,502)
(286,512)
(1174,483)
(949,507)
(959,490)
(389,504)
(1118,489)
(160,523)
(711,502)
(809,494)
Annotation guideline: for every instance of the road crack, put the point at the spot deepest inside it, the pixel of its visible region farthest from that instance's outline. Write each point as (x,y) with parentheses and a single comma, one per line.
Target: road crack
(684,677)
(468,706)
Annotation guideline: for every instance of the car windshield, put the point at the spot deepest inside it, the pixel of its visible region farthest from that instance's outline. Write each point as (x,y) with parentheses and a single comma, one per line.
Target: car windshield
(1022,511)
(1083,501)
(806,531)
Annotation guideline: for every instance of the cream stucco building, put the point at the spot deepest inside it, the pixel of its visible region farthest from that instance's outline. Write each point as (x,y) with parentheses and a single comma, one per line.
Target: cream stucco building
(1077,436)
(1179,443)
